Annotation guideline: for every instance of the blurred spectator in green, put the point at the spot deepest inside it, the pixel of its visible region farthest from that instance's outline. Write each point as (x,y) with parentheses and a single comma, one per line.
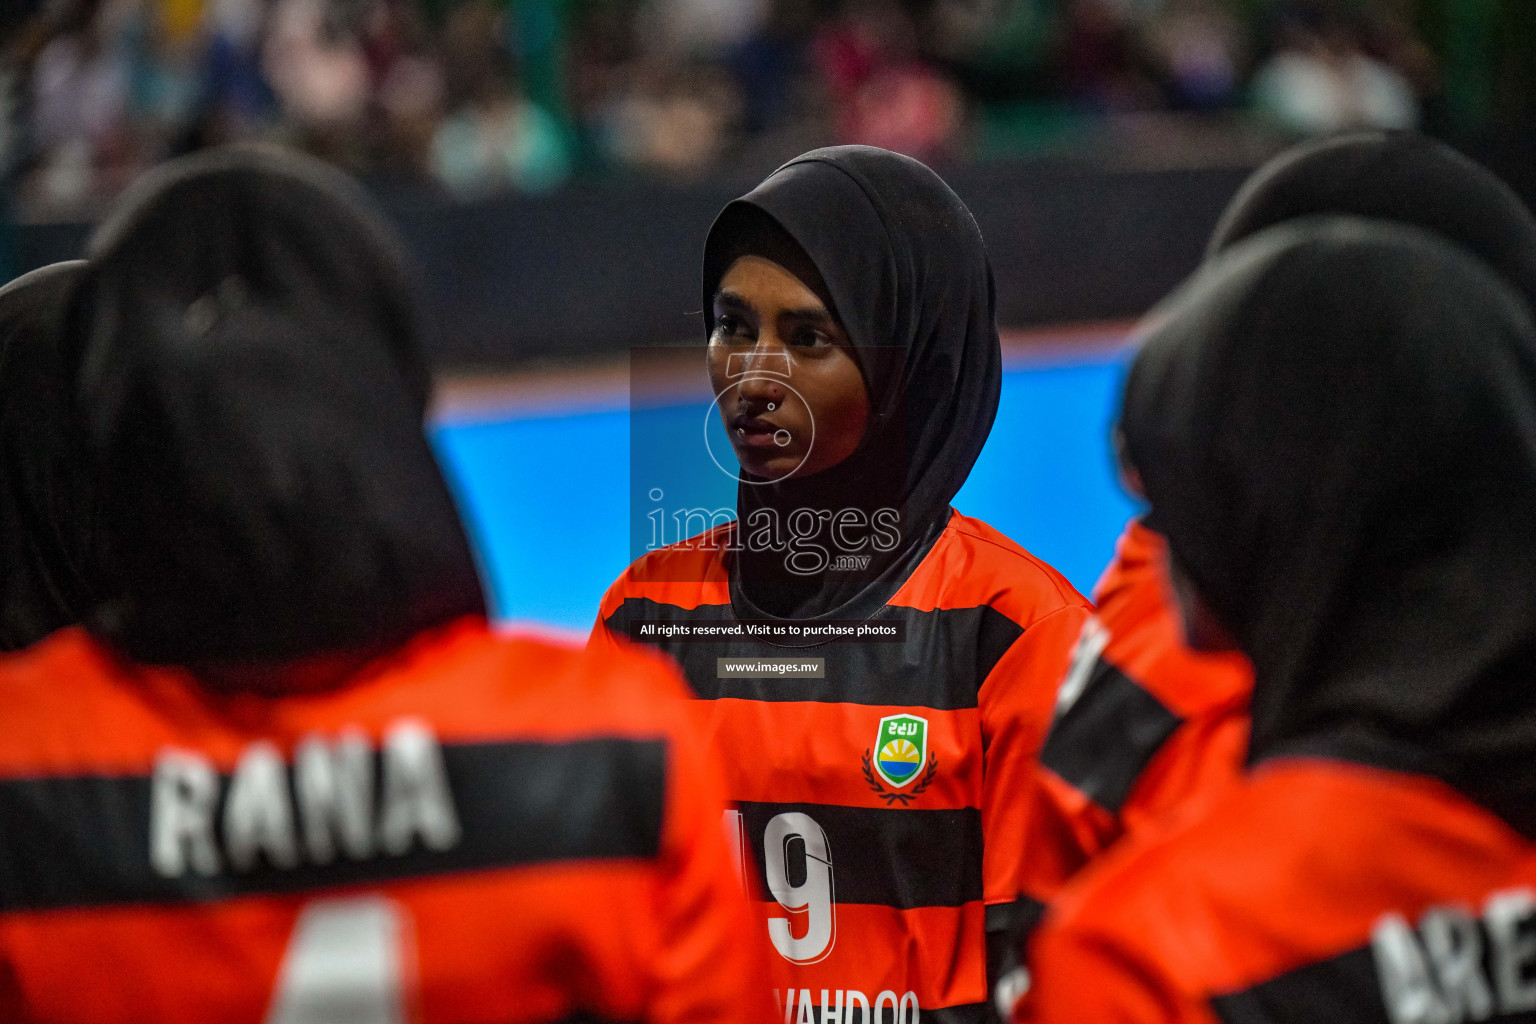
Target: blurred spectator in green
(499,140)
(493,137)
(484,95)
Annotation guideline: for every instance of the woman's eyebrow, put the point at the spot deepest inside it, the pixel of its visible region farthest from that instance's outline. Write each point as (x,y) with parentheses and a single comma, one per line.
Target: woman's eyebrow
(735,301)
(815,314)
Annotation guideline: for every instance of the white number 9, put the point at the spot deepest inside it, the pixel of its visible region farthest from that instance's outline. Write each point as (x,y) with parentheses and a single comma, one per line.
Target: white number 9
(812,897)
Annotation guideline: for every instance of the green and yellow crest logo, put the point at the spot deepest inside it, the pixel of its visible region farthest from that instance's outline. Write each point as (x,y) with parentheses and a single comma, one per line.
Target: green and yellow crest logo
(901,747)
(900,757)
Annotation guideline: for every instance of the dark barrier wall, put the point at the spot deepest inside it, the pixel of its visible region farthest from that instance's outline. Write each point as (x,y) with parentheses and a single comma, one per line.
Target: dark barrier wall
(607,265)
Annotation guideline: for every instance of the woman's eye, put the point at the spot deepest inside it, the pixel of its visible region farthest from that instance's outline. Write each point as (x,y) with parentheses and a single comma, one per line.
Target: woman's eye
(809,337)
(729,327)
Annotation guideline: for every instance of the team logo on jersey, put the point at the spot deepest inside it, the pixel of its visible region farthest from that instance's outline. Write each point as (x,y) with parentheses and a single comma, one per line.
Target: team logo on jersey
(899,759)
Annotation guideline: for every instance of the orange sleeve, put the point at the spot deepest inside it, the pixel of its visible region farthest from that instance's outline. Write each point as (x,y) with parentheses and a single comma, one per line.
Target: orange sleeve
(1017,702)
(1077,977)
(1200,763)
(1064,831)
(710,957)
(1155,732)
(1192,769)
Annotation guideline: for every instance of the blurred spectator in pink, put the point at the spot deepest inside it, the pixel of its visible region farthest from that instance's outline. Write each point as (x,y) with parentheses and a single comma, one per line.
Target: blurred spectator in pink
(1101,62)
(408,87)
(317,68)
(883,92)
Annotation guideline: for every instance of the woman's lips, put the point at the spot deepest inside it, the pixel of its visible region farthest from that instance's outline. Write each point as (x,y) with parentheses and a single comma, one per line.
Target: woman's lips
(756,432)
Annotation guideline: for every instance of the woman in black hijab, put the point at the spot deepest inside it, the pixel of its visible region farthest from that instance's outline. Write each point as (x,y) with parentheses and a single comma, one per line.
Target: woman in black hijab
(259,501)
(288,732)
(42,485)
(855,361)
(1403,177)
(1202,699)
(1336,427)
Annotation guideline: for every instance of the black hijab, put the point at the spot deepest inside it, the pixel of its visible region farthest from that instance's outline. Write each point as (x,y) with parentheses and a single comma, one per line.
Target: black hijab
(251,396)
(42,485)
(902,262)
(1396,176)
(1335,423)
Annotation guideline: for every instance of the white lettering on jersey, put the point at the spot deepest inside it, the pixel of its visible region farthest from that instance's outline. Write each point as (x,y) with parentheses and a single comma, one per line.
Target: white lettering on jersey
(417,801)
(334,783)
(1085,654)
(1435,974)
(348,960)
(1511,920)
(258,818)
(183,793)
(803,1010)
(337,807)
(1455,946)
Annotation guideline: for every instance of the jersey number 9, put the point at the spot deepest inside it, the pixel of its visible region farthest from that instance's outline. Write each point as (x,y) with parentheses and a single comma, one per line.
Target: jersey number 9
(812,897)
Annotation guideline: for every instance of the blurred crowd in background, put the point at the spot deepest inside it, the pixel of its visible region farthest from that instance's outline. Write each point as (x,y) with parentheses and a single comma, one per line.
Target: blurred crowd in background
(480,96)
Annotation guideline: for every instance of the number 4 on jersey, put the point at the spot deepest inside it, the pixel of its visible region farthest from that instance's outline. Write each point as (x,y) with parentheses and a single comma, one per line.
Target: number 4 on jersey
(348,959)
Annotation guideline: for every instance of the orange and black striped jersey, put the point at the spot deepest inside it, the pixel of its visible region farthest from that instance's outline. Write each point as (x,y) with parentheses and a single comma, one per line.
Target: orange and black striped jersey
(1316,890)
(877,786)
(1145,727)
(476,828)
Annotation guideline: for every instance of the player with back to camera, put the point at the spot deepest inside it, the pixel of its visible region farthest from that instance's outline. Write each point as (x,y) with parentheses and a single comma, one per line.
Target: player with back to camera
(285,772)
(43,492)
(1148,728)
(1335,424)
(855,359)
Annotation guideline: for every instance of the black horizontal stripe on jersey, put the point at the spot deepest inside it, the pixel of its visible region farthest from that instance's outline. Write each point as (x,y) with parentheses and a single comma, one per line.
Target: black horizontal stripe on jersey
(78,841)
(971,1013)
(1009,926)
(1103,742)
(893,857)
(948,654)
(1343,988)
